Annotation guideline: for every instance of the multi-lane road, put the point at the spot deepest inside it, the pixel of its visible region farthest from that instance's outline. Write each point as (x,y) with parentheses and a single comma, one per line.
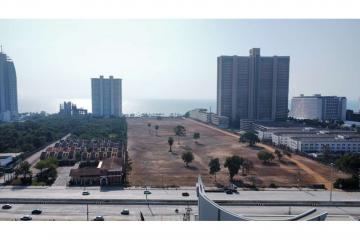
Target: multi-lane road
(172,194)
(83,212)
(162,203)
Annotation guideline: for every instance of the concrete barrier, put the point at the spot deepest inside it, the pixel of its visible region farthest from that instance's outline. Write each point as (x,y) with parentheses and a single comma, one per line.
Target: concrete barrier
(211,211)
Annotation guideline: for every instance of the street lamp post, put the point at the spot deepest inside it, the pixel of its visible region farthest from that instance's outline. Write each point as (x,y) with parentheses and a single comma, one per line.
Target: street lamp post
(331,180)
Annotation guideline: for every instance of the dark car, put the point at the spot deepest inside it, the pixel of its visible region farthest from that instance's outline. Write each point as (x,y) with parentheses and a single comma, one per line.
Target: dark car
(125,212)
(85,193)
(147,192)
(99,218)
(26,218)
(185,194)
(36,211)
(229,191)
(6,206)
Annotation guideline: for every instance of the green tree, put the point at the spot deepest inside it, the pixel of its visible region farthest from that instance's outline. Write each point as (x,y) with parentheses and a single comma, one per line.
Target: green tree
(156,129)
(326,152)
(246,167)
(170,142)
(78,156)
(23,169)
(278,154)
(187,157)
(214,166)
(249,137)
(233,164)
(196,136)
(40,165)
(149,127)
(180,131)
(349,163)
(287,153)
(265,156)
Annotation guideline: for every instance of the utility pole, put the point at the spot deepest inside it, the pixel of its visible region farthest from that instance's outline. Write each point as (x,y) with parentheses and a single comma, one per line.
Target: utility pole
(87,212)
(299,179)
(359,178)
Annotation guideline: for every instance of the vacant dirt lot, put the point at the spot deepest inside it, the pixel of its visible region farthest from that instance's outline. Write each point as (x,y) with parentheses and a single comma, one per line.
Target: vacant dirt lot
(154,165)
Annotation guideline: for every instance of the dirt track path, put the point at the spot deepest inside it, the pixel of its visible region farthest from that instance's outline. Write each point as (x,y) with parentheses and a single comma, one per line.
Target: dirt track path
(294,158)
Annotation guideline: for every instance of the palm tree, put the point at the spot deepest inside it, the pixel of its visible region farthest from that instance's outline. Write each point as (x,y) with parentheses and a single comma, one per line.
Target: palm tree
(278,154)
(214,166)
(23,168)
(149,127)
(170,142)
(156,129)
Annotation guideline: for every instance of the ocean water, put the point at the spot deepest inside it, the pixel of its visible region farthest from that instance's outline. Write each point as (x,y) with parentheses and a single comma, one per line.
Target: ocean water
(165,106)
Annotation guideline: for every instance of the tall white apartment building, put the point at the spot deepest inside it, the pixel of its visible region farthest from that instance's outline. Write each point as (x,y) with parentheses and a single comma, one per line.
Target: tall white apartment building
(106,96)
(318,107)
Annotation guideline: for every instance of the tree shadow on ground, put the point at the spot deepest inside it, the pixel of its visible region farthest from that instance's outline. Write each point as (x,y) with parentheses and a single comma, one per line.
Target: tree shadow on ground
(194,168)
(256,148)
(286,162)
(199,144)
(271,164)
(187,148)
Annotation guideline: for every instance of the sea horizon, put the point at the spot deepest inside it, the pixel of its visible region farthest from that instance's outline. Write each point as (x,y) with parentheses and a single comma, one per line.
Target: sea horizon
(138,106)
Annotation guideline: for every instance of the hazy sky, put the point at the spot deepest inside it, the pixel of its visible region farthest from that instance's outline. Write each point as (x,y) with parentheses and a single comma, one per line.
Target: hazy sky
(175,58)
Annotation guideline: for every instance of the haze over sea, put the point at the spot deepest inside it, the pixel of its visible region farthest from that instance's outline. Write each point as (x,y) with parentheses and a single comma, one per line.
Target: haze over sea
(165,106)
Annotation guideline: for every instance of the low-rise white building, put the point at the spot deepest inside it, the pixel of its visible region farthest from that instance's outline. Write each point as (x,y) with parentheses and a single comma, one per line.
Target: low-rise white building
(7,158)
(310,140)
(318,107)
(203,115)
(200,114)
(339,143)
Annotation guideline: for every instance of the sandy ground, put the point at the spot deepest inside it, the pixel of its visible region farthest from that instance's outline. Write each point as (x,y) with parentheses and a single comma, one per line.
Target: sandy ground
(154,165)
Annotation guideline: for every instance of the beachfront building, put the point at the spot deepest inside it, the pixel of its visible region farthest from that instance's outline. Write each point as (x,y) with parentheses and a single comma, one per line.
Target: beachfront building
(106,96)
(318,107)
(251,88)
(8,89)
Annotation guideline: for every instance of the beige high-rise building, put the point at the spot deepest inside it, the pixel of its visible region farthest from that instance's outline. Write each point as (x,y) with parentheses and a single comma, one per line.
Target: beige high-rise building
(252,88)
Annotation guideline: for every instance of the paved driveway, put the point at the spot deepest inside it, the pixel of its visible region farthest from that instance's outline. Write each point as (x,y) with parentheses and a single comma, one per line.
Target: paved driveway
(63,175)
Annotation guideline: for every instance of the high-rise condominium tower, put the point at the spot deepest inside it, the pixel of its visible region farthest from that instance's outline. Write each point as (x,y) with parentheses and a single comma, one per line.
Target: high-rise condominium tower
(318,107)
(106,96)
(8,88)
(252,87)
